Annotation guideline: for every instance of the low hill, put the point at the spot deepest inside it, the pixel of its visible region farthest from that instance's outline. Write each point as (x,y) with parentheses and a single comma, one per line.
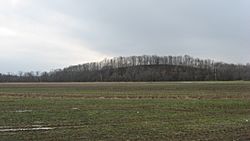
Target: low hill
(140,68)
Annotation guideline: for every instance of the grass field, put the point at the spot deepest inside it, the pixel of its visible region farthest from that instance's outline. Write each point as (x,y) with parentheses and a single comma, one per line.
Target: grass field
(125,111)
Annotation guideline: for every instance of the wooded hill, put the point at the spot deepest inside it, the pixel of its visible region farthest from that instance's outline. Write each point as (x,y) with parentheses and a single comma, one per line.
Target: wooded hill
(139,68)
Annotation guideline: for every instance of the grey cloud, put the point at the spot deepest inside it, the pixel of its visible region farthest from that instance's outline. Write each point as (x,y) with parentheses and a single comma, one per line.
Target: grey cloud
(169,27)
(217,29)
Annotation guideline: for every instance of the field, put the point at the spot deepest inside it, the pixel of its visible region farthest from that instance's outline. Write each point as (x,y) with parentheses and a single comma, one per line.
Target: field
(175,111)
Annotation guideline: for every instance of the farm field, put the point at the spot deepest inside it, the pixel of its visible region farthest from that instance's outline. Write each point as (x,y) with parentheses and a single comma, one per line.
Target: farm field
(175,111)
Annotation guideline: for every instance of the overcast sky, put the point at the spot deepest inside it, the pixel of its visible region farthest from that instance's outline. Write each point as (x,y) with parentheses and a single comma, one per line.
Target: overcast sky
(49,34)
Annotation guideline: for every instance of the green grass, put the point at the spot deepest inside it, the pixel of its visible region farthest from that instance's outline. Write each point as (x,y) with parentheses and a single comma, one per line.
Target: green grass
(126,111)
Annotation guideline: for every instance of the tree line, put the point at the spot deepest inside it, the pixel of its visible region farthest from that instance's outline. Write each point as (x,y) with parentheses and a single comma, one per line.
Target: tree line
(139,68)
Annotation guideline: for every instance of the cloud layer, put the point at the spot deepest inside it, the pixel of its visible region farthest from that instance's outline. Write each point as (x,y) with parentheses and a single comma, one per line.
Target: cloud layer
(43,34)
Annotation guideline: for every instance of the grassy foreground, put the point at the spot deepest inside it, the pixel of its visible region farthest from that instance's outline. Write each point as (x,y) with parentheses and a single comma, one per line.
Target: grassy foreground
(125,111)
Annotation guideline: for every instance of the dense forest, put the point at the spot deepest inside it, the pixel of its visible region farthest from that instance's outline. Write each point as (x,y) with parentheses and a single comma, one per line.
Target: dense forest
(139,68)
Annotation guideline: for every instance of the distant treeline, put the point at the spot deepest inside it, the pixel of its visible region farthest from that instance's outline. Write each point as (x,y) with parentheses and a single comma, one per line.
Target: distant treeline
(139,68)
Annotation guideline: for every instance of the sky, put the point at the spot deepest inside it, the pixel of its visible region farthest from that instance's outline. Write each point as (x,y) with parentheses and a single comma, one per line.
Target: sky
(42,35)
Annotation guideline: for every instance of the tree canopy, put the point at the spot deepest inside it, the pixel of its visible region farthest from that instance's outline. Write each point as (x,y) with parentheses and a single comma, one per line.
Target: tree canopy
(139,68)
